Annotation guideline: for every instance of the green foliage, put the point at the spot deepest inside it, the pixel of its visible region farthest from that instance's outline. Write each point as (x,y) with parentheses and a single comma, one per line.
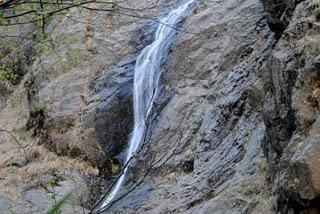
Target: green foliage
(1,17)
(40,48)
(53,197)
(39,23)
(44,18)
(7,74)
(74,55)
(52,182)
(114,168)
(40,13)
(11,211)
(12,62)
(48,19)
(6,47)
(57,206)
(38,106)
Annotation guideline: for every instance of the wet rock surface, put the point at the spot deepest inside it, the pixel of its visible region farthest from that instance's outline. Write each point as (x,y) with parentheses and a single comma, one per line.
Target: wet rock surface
(206,142)
(108,109)
(235,127)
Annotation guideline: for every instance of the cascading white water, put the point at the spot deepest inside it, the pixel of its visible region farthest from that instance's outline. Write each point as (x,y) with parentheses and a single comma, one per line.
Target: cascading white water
(146,79)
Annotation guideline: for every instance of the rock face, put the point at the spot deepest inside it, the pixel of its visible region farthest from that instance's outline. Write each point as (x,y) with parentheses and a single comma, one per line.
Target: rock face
(235,128)
(71,113)
(205,150)
(279,13)
(291,112)
(108,108)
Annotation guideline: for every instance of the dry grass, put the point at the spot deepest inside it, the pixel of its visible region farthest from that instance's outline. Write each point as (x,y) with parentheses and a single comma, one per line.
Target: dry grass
(40,157)
(40,162)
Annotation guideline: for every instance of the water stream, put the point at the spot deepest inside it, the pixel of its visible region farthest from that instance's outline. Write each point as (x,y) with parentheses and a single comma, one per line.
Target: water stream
(146,80)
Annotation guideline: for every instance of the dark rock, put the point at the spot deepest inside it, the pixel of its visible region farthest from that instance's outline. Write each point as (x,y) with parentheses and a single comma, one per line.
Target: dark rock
(279,13)
(290,113)
(109,107)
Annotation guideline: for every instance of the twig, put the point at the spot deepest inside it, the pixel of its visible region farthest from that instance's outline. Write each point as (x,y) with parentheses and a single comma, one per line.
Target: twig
(152,165)
(15,139)
(82,5)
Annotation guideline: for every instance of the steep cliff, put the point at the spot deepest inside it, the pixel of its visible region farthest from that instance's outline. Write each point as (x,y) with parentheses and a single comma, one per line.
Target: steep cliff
(235,127)
(291,111)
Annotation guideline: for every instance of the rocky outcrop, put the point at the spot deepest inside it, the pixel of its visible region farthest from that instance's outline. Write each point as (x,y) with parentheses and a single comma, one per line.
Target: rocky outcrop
(279,13)
(108,109)
(71,113)
(277,95)
(205,152)
(291,112)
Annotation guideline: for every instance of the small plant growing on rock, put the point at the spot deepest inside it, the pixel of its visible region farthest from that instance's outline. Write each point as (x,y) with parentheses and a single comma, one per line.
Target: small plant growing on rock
(12,62)
(7,74)
(52,183)
(110,168)
(37,118)
(56,207)
(40,48)
(114,168)
(11,211)
(38,106)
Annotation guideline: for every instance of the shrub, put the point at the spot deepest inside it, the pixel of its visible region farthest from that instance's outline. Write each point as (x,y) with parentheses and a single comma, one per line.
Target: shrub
(7,74)
(38,106)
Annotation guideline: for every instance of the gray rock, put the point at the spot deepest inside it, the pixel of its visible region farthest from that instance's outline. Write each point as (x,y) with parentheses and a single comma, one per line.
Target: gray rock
(235,125)
(108,107)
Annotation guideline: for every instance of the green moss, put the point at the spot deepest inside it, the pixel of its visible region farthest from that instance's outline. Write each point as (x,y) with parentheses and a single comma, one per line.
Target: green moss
(7,74)
(74,54)
(12,211)
(5,47)
(110,168)
(114,168)
(40,48)
(66,40)
(52,182)
(12,62)
(38,106)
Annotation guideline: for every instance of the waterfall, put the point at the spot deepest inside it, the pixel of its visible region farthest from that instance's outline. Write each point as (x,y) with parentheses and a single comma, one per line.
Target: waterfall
(146,80)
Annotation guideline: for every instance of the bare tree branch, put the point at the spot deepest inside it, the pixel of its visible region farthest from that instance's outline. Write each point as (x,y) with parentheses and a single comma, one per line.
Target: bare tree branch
(13,137)
(151,166)
(83,5)
(7,3)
